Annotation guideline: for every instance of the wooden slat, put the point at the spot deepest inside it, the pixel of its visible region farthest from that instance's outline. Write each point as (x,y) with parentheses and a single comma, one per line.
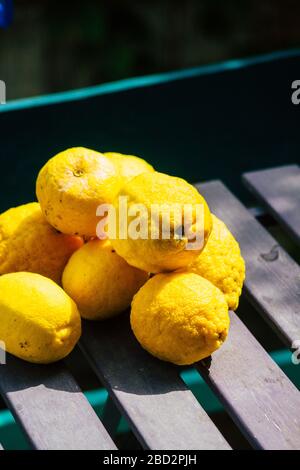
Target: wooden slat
(279,190)
(50,407)
(161,411)
(272,276)
(257,394)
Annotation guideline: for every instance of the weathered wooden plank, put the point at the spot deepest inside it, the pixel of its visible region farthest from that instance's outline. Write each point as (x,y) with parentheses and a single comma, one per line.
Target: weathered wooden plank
(50,407)
(162,412)
(272,276)
(259,397)
(279,190)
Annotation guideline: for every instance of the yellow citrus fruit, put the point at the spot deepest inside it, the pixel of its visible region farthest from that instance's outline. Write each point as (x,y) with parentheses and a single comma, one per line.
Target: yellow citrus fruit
(129,165)
(100,282)
(221,263)
(154,251)
(29,243)
(179,317)
(39,321)
(71,186)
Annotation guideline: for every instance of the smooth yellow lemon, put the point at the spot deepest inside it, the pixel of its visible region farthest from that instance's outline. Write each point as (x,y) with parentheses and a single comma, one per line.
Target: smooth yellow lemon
(39,322)
(100,282)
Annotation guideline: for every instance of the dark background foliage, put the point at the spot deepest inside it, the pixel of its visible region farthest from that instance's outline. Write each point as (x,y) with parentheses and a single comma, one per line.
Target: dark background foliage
(54,46)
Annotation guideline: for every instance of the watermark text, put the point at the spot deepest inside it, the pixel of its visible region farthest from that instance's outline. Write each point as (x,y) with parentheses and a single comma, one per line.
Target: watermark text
(166,221)
(2,353)
(296,353)
(2,92)
(296,93)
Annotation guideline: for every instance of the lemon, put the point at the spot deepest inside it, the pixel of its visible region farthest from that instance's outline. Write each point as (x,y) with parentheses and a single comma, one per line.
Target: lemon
(129,165)
(71,186)
(179,317)
(154,252)
(221,263)
(38,320)
(100,282)
(29,243)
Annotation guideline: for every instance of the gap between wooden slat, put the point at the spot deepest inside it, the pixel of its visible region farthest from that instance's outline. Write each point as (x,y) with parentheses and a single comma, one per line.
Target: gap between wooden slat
(279,191)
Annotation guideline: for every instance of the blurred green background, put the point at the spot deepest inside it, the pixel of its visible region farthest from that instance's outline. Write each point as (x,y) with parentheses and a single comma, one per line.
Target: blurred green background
(55,46)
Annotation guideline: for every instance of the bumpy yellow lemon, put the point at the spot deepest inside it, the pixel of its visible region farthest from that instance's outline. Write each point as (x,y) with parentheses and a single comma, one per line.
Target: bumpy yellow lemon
(180,317)
(29,243)
(71,186)
(39,322)
(129,165)
(100,282)
(151,200)
(221,263)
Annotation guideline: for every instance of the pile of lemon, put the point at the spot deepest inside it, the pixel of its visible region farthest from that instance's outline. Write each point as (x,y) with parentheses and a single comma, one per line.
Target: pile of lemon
(55,270)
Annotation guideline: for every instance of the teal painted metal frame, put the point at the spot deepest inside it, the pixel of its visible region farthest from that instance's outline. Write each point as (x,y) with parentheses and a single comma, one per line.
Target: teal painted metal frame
(143,81)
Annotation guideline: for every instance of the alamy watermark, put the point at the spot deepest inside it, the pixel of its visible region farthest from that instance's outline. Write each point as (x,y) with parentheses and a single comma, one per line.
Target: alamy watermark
(156,222)
(296,353)
(295,97)
(2,92)
(2,353)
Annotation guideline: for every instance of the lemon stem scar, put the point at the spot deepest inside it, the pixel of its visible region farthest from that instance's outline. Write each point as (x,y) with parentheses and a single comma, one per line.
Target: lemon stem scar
(78,173)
